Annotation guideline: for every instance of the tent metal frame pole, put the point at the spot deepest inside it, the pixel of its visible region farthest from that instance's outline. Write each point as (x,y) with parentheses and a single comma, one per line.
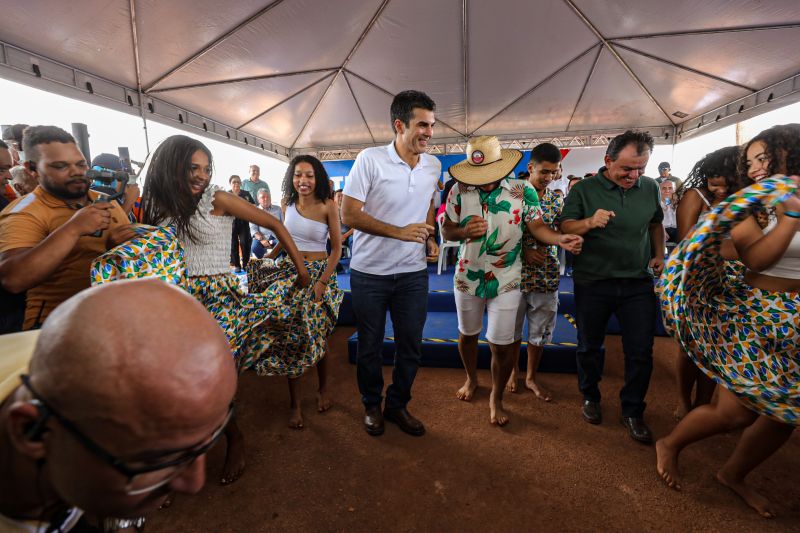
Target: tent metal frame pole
(712,31)
(684,67)
(621,61)
(465,48)
(304,89)
(358,106)
(240,80)
(585,85)
(135,38)
(219,40)
(341,68)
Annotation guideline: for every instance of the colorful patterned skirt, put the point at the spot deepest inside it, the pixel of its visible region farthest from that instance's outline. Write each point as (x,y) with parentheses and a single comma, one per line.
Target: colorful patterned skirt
(745,339)
(154,252)
(297,339)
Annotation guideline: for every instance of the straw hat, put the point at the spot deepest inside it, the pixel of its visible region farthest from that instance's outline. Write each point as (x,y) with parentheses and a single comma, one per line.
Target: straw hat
(486,162)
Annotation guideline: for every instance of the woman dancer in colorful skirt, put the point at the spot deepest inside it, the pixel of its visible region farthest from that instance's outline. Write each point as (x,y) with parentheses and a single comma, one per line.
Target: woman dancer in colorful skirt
(711,180)
(178,193)
(311,218)
(742,335)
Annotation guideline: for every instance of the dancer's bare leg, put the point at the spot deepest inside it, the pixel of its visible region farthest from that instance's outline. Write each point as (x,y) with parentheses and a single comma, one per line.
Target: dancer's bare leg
(296,415)
(323,400)
(534,358)
(762,439)
(234,455)
(468,349)
(698,424)
(686,374)
(705,389)
(512,381)
(503,360)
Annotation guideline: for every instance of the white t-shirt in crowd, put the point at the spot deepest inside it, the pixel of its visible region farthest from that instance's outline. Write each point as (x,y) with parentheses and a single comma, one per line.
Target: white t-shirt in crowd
(396,194)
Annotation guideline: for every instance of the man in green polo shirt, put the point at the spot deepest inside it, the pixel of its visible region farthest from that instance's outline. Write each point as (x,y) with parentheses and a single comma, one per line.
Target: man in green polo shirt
(254,183)
(618,213)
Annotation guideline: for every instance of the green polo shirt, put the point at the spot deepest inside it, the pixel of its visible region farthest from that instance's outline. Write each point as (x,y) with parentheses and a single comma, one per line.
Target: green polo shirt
(253,187)
(622,248)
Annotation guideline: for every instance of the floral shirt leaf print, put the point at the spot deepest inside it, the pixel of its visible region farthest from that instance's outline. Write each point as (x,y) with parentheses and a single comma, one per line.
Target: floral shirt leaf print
(491,265)
(543,278)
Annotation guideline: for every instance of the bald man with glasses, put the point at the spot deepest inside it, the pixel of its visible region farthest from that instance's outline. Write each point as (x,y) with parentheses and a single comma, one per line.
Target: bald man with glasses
(93,421)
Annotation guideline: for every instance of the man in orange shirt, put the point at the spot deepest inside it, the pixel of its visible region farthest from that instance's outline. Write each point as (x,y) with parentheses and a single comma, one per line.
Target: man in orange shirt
(49,238)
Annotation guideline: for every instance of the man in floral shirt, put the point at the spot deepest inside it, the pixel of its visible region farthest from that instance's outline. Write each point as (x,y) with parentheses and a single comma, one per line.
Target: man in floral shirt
(540,273)
(485,211)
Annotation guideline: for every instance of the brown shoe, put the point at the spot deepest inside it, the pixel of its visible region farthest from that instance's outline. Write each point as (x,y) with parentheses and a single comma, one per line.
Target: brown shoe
(407,423)
(373,421)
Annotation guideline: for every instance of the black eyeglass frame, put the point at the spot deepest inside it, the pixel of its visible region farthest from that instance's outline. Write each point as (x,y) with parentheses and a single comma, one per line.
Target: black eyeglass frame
(118,464)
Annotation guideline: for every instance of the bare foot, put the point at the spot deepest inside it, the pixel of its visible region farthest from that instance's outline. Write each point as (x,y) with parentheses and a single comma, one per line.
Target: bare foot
(497,416)
(467,391)
(323,401)
(540,392)
(234,457)
(512,382)
(750,496)
(667,464)
(296,418)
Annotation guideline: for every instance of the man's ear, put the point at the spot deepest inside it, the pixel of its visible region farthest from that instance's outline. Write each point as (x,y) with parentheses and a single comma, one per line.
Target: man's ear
(30,166)
(399,127)
(26,427)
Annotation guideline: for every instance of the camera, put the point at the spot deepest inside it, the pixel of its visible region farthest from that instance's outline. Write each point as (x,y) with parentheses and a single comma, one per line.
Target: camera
(110,182)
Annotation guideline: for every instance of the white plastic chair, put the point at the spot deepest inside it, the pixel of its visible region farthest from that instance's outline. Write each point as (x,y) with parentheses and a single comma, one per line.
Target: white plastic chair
(444,245)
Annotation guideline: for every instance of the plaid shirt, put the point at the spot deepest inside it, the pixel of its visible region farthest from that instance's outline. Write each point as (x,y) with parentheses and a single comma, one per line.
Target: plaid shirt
(543,278)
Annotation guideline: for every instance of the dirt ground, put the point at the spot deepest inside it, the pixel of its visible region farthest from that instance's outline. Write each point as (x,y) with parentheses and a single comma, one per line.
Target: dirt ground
(546,471)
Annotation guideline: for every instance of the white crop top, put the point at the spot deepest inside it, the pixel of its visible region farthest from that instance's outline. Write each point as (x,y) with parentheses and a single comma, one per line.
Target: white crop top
(787,266)
(211,254)
(309,235)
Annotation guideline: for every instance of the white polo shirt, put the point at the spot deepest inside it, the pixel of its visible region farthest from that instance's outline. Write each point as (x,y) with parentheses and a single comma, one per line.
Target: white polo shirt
(396,194)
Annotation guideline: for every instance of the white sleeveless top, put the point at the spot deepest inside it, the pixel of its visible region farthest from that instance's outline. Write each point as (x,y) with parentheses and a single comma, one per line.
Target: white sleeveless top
(787,266)
(309,235)
(211,254)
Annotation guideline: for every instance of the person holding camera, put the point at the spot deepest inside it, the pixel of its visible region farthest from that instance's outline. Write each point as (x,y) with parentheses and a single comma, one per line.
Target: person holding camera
(49,238)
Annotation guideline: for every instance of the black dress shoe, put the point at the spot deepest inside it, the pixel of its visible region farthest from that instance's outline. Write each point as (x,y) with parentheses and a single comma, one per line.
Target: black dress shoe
(637,429)
(407,423)
(373,421)
(591,412)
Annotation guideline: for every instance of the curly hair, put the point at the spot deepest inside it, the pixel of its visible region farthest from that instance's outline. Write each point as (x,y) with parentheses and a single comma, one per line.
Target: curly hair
(322,186)
(783,143)
(167,194)
(722,162)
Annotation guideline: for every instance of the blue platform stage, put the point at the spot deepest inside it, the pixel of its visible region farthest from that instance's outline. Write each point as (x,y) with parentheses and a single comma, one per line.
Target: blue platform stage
(440,336)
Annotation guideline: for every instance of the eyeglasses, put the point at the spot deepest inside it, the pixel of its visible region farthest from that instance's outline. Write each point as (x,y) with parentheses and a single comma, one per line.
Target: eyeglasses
(141,479)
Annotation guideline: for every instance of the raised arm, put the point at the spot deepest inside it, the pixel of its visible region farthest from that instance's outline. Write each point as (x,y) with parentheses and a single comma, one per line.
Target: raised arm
(353,215)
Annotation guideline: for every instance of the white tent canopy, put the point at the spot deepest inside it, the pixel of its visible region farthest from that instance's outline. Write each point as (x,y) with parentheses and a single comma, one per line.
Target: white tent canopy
(312,75)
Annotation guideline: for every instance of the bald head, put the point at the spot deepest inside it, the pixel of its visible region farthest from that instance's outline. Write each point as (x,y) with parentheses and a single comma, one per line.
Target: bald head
(143,347)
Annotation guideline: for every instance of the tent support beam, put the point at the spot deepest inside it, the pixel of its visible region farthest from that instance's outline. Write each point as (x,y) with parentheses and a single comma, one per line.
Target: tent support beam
(358,106)
(212,45)
(621,61)
(684,67)
(239,80)
(465,48)
(712,31)
(304,89)
(341,68)
(535,87)
(135,38)
(585,84)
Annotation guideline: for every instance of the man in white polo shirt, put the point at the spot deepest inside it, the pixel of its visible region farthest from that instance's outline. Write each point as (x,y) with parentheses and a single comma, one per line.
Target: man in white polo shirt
(388,200)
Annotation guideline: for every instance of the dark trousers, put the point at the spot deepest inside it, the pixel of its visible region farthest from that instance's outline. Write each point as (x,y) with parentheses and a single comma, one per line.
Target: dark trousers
(405,296)
(634,303)
(240,236)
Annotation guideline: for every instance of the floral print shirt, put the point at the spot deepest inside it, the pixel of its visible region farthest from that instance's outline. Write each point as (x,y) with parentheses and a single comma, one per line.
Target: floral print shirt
(492,264)
(543,278)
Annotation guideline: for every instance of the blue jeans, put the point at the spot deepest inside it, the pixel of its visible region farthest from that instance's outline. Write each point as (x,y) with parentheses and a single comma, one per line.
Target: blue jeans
(258,250)
(405,296)
(634,303)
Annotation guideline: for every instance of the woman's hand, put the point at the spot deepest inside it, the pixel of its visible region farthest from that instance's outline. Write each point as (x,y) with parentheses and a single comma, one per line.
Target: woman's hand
(319,290)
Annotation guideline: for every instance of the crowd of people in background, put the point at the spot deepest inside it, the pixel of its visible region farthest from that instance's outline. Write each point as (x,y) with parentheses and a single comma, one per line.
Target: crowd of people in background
(58,236)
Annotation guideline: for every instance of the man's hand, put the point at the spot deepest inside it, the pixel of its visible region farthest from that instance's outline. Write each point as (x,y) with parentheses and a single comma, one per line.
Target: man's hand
(303,278)
(415,232)
(535,256)
(571,243)
(476,227)
(91,219)
(432,250)
(656,264)
(600,218)
(119,235)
